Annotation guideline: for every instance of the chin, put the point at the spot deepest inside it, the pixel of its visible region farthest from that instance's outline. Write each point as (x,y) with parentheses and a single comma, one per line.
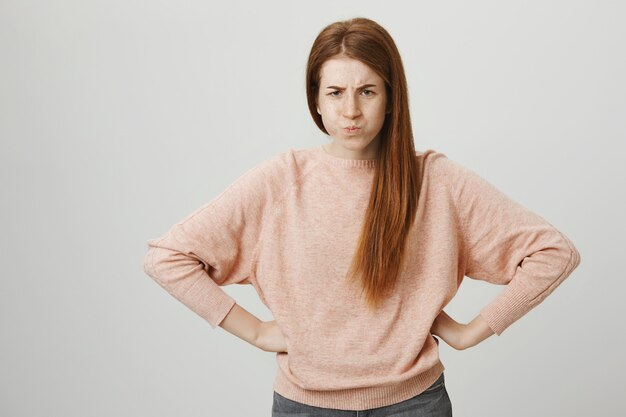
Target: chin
(354,142)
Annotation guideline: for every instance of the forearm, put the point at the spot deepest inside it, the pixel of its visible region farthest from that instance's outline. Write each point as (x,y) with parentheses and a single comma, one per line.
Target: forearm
(242,324)
(476,331)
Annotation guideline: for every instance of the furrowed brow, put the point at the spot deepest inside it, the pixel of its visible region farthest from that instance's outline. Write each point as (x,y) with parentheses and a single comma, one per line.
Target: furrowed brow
(334,87)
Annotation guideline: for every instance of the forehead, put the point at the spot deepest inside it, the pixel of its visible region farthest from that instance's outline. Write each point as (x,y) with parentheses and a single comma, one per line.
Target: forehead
(347,71)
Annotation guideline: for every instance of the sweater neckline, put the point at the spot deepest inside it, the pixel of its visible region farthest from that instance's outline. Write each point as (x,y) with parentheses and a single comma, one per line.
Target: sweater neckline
(344,162)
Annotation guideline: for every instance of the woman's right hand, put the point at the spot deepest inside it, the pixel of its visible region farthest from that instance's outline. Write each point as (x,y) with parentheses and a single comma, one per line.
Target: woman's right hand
(270,338)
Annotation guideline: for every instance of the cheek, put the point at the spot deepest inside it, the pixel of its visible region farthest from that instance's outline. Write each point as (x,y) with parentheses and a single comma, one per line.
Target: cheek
(328,118)
(328,112)
(377,112)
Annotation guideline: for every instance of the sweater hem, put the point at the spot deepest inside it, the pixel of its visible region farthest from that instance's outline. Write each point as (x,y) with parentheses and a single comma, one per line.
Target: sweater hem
(359,399)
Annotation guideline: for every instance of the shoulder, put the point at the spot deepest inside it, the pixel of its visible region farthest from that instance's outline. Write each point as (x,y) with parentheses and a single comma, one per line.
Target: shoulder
(459,181)
(438,165)
(270,177)
(285,166)
(435,164)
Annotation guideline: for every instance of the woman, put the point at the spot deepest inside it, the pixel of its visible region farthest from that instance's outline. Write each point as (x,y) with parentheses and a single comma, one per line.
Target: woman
(356,246)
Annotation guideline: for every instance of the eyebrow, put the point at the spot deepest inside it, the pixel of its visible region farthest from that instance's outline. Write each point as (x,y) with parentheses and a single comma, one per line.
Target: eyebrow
(359,88)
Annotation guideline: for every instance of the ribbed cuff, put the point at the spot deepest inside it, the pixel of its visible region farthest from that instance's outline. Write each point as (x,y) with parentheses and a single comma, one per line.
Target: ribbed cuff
(210,301)
(505,309)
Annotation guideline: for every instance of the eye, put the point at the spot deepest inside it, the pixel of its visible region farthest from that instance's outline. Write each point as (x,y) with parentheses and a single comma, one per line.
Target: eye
(333,92)
(369,91)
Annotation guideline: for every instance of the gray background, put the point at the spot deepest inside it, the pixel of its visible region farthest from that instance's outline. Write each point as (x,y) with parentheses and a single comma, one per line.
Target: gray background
(118,118)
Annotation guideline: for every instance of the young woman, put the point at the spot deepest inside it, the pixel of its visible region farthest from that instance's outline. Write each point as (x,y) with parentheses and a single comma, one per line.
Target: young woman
(357,245)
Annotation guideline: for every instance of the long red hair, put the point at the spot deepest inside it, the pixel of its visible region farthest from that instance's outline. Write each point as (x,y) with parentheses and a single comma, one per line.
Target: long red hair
(395,190)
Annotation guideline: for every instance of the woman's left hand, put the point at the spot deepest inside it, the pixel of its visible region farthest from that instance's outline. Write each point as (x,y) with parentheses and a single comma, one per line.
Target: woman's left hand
(449,330)
(460,336)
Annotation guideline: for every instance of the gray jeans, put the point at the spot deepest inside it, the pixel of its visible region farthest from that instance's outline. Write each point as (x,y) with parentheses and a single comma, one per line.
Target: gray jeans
(433,402)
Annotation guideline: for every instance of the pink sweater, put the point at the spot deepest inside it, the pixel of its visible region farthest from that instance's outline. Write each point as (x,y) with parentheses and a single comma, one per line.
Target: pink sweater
(289,226)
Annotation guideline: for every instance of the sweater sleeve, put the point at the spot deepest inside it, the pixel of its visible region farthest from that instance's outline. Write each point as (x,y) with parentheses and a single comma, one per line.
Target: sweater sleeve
(213,246)
(507,244)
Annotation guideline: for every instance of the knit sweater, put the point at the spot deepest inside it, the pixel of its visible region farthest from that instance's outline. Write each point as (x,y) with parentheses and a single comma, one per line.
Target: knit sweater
(289,227)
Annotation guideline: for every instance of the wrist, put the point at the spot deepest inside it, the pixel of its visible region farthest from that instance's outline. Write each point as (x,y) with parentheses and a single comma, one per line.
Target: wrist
(476,331)
(258,333)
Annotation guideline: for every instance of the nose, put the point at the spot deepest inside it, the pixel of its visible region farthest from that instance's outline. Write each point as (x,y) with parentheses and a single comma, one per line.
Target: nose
(351,107)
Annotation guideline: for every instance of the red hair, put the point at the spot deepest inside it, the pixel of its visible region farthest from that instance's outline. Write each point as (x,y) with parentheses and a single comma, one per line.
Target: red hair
(395,190)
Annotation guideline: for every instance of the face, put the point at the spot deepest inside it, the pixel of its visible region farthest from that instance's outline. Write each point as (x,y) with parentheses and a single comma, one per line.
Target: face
(351,94)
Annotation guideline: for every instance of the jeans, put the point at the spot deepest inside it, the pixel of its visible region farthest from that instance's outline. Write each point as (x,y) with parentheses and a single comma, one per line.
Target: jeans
(433,402)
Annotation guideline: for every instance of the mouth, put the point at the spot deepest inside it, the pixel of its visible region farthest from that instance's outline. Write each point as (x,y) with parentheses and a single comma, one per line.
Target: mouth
(351,128)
